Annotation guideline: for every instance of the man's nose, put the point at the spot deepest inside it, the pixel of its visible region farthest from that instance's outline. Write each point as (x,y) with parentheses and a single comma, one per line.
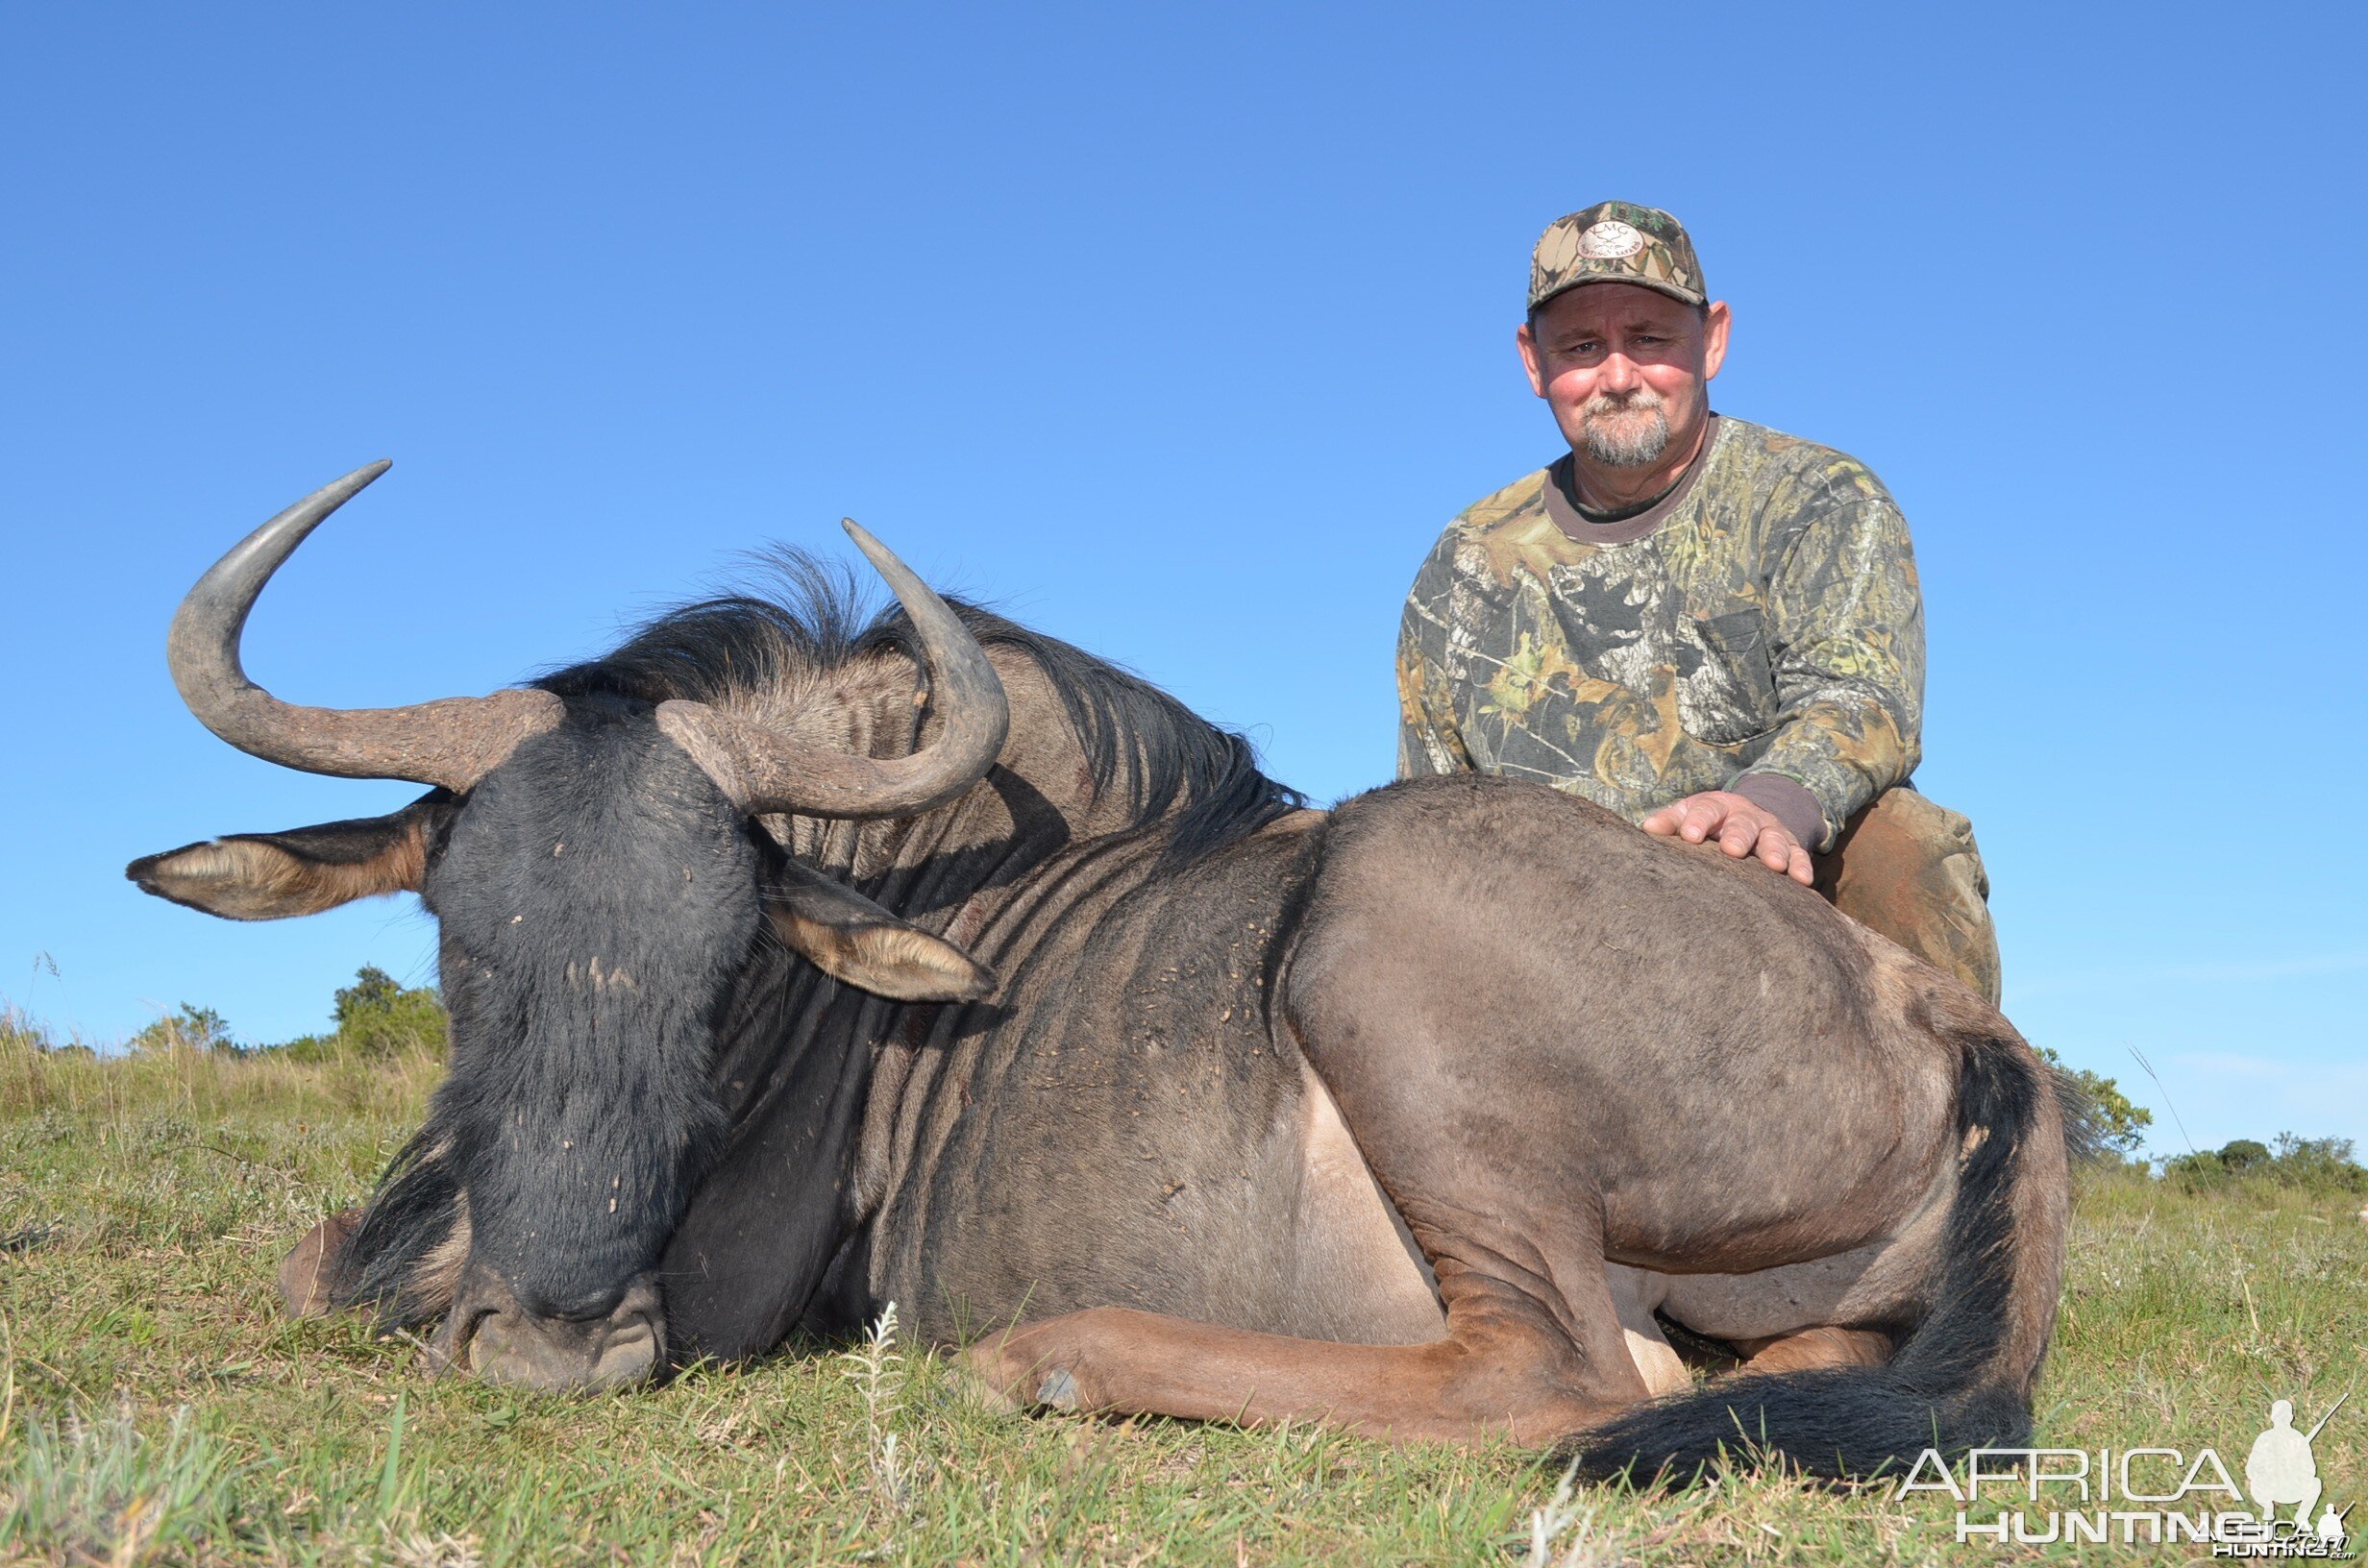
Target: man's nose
(1617,374)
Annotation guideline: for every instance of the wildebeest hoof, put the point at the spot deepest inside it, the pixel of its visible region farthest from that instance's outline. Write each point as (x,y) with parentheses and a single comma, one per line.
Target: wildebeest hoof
(1027,1369)
(308,1271)
(973,1379)
(489,1333)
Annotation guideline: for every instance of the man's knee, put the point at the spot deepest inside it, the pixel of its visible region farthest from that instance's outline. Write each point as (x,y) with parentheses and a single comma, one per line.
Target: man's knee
(1911,870)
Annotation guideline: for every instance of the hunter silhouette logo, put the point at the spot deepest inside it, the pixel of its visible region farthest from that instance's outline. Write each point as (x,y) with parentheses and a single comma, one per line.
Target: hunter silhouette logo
(2157,1495)
(2281,1470)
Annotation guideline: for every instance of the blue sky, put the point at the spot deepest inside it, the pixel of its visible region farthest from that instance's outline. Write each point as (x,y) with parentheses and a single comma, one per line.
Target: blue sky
(1181,333)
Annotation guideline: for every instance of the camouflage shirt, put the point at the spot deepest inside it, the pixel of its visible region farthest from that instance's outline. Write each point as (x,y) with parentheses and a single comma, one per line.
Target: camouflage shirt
(1761,618)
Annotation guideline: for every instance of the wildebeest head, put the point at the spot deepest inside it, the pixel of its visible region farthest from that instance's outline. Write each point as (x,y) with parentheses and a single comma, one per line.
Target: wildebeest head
(599,882)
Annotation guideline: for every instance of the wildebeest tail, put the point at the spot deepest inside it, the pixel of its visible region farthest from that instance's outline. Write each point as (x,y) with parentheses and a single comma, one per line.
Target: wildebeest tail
(1963,1376)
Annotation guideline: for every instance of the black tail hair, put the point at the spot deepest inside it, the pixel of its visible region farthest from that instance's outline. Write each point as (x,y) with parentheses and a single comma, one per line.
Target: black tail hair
(2087,1135)
(1945,1389)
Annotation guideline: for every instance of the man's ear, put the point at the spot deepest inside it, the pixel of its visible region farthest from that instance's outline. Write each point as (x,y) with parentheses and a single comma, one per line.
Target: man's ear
(1526,339)
(1717,321)
(851,939)
(270,876)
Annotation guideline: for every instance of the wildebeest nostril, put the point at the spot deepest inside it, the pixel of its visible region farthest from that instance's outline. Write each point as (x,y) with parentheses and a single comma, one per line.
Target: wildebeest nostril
(629,1356)
(454,1344)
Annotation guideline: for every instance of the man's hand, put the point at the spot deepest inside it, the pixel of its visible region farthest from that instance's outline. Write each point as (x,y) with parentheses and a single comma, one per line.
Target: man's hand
(1740,828)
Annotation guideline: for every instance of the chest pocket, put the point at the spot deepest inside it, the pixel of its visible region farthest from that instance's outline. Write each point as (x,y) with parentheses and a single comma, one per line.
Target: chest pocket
(1731,696)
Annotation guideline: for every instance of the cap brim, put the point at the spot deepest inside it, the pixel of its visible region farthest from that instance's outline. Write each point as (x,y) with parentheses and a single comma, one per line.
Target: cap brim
(1682,295)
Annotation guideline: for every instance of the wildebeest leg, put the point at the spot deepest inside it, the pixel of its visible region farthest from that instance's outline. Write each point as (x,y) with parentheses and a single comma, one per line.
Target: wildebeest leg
(1508,1366)
(1722,1300)
(1815,1348)
(1514,1238)
(1814,1315)
(1635,1293)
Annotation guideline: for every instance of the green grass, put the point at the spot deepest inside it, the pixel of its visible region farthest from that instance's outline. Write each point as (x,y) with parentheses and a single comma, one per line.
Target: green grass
(157,1406)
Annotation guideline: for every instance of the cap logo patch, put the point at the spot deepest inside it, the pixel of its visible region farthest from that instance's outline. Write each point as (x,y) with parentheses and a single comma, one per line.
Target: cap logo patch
(1609,240)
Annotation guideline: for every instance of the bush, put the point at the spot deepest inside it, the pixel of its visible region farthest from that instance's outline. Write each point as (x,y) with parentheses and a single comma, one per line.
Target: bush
(2312,1164)
(2322,1164)
(2243,1155)
(191,1029)
(2111,1123)
(378,1016)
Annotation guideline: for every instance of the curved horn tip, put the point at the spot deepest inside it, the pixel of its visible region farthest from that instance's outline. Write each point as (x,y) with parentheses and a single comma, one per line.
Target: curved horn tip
(364,475)
(887,562)
(864,541)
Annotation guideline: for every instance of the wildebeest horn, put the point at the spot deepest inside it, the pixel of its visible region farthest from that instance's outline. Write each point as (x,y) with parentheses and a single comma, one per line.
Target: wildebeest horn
(454,743)
(764,770)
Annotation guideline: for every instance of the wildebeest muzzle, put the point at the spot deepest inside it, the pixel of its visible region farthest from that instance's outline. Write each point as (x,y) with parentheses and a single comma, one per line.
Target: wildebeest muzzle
(489,1333)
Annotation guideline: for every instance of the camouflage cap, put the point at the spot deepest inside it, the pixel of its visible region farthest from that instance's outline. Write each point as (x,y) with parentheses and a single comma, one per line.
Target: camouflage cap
(1615,242)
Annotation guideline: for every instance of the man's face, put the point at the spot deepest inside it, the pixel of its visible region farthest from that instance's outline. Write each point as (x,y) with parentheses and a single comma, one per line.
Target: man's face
(1626,370)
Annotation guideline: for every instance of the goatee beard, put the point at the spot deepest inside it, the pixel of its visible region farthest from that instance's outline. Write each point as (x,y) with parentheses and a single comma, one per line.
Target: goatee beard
(1617,438)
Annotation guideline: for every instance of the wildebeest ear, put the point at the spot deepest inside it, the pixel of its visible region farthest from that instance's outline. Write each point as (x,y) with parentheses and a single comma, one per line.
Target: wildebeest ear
(270,876)
(849,938)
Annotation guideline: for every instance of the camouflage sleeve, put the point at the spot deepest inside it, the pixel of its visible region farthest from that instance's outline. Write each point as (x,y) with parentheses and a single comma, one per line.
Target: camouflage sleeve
(1847,635)
(1429,740)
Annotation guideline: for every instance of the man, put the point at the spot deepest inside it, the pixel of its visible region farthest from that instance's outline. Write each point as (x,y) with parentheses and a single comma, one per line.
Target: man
(1707,626)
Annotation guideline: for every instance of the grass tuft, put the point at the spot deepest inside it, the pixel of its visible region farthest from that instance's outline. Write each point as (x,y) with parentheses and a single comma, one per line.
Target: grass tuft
(104,1489)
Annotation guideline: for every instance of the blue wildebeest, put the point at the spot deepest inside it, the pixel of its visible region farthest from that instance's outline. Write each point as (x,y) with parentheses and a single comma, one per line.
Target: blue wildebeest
(795,966)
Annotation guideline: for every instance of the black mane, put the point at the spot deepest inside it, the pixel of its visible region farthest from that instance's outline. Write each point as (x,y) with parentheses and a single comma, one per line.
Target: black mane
(813,623)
